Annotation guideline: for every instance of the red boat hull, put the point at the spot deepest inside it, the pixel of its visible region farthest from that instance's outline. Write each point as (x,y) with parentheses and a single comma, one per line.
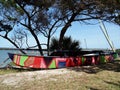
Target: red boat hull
(57,62)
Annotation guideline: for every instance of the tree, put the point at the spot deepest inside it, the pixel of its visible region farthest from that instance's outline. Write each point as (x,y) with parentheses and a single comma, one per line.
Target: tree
(32,18)
(69,46)
(44,17)
(84,10)
(5,29)
(10,14)
(37,19)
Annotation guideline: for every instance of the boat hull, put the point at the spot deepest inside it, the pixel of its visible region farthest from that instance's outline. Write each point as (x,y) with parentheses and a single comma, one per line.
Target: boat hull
(58,62)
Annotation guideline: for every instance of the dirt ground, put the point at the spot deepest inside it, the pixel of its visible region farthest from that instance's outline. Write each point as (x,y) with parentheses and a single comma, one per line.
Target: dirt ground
(92,76)
(17,78)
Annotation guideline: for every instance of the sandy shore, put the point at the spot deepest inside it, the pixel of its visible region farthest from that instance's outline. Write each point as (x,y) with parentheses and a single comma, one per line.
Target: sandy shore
(17,78)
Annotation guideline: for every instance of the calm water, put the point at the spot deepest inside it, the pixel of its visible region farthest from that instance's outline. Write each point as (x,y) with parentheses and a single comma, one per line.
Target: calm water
(4,55)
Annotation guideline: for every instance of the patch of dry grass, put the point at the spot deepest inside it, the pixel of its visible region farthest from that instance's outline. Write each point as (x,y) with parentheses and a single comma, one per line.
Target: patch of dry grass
(4,71)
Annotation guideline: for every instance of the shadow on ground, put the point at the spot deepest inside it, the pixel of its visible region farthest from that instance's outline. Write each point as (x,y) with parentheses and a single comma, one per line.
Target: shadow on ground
(113,66)
(117,84)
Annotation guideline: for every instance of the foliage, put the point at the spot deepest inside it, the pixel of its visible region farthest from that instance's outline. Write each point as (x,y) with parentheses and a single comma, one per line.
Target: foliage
(68,44)
(44,17)
(84,10)
(5,27)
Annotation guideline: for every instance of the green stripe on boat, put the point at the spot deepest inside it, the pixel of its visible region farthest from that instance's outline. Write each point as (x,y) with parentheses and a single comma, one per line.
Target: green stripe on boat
(83,60)
(23,59)
(52,65)
(102,59)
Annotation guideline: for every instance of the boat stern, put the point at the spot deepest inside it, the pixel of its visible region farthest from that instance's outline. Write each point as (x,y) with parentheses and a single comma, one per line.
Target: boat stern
(11,56)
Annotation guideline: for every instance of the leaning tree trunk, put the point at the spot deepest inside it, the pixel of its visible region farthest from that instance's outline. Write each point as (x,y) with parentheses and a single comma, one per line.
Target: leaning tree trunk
(64,29)
(48,44)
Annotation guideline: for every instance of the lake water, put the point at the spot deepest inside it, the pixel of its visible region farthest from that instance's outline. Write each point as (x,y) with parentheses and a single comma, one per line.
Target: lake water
(4,55)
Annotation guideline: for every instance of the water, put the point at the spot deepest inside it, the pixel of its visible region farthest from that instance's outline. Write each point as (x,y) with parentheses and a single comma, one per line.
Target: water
(4,55)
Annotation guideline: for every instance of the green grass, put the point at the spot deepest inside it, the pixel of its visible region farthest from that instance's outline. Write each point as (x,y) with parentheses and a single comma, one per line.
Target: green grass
(7,71)
(11,70)
(100,77)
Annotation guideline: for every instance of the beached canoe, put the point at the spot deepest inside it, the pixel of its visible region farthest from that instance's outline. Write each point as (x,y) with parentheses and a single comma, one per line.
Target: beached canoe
(57,61)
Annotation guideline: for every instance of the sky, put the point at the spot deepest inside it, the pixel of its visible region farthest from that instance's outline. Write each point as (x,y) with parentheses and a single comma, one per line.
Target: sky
(90,36)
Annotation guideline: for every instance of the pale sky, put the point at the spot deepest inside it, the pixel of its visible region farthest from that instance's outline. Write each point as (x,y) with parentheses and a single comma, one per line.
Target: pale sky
(90,36)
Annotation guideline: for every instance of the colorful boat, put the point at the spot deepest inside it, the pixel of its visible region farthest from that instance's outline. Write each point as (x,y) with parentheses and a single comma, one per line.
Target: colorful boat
(59,62)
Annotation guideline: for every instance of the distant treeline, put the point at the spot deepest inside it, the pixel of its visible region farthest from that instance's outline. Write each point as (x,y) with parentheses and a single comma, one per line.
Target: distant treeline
(19,49)
(117,50)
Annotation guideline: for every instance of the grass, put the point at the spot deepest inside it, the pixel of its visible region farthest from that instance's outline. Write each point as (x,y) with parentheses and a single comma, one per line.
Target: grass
(100,77)
(7,71)
(4,71)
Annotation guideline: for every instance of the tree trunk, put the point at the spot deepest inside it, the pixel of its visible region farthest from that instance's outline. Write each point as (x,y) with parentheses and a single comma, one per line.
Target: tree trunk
(37,41)
(48,41)
(64,29)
